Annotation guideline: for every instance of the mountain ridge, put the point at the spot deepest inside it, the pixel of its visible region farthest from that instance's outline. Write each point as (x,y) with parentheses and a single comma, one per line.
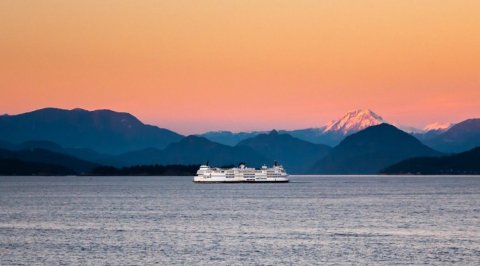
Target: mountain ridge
(103,130)
(191,150)
(297,155)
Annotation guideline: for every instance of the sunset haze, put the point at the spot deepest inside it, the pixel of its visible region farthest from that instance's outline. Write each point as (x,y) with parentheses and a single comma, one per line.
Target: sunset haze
(195,66)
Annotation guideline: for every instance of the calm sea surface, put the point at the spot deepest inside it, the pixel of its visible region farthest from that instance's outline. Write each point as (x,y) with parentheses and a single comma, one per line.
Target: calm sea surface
(170,220)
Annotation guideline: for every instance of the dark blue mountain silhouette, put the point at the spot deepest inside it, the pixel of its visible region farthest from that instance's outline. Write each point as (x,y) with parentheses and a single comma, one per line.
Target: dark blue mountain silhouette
(51,158)
(101,130)
(81,153)
(192,150)
(371,150)
(298,156)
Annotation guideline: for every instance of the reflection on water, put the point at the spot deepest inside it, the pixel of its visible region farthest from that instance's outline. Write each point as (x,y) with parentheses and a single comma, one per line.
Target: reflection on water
(312,220)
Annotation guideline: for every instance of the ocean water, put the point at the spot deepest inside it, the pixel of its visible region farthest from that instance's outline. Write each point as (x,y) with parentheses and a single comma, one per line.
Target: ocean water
(381,220)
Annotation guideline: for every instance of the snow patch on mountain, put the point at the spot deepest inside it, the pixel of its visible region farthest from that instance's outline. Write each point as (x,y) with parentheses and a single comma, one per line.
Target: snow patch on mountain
(409,129)
(437,126)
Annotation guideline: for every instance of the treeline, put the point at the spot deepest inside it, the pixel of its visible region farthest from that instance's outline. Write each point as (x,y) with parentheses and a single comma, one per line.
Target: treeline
(15,167)
(10,166)
(39,161)
(146,170)
(465,163)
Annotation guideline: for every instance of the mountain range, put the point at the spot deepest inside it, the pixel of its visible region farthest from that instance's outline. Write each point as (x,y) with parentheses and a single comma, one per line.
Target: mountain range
(361,142)
(330,135)
(445,137)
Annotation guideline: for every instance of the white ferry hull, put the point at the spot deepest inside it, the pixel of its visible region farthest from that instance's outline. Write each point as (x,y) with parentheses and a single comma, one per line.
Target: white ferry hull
(275,180)
(241,174)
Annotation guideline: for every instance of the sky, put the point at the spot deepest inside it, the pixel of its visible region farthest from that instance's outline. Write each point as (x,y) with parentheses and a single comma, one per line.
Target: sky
(195,66)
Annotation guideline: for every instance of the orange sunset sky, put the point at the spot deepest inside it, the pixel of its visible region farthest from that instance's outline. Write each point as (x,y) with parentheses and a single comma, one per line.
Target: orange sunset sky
(194,66)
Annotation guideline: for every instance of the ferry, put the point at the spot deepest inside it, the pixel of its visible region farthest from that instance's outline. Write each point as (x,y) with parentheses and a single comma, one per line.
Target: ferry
(241,174)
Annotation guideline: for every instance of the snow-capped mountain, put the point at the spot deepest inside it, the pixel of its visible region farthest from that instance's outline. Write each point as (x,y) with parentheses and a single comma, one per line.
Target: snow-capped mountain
(354,121)
(437,126)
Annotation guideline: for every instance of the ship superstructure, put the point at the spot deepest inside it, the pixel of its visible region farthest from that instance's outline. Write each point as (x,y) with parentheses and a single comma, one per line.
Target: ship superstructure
(240,174)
